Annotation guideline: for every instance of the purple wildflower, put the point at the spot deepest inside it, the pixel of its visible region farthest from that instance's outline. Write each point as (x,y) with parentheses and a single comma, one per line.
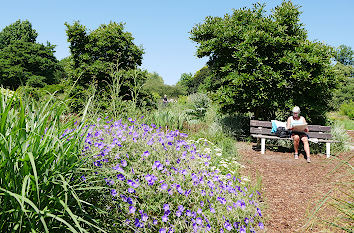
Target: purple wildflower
(146,154)
(178,213)
(212,210)
(164,218)
(164,186)
(150,179)
(124,163)
(222,200)
(132,209)
(228,226)
(188,213)
(114,192)
(199,221)
(261,226)
(144,217)
(246,221)
(180,208)
(131,190)
(120,177)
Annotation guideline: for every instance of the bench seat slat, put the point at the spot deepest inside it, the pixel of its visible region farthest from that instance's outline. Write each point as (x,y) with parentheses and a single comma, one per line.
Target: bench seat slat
(275,137)
(256,123)
(265,131)
(268,124)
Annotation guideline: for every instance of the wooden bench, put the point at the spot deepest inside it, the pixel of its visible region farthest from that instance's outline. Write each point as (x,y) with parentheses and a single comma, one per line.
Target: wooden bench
(262,130)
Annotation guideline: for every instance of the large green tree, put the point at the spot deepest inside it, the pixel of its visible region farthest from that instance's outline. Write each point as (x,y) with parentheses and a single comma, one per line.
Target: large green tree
(194,83)
(155,85)
(265,64)
(18,31)
(345,55)
(23,60)
(95,53)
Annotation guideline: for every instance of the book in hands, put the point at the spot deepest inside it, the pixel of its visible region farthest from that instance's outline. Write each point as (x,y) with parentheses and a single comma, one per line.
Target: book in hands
(300,128)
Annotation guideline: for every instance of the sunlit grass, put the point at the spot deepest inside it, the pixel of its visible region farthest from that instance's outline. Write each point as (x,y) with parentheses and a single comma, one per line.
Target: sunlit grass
(347,123)
(39,162)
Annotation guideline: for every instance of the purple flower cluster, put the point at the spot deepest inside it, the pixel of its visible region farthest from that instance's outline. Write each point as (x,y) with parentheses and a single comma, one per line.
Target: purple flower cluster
(160,181)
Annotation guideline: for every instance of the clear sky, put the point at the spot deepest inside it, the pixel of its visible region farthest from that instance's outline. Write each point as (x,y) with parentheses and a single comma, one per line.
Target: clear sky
(162,27)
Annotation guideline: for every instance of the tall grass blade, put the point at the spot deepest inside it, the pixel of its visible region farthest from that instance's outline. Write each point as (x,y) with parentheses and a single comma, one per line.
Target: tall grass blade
(21,199)
(34,169)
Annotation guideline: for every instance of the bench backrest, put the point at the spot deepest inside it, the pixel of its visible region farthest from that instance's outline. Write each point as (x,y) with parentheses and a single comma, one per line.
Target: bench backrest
(265,127)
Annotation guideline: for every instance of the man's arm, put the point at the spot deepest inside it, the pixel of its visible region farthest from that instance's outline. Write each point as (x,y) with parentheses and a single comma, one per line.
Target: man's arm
(288,124)
(307,128)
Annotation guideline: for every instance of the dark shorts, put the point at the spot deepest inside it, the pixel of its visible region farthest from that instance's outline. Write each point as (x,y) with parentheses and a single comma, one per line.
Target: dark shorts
(301,134)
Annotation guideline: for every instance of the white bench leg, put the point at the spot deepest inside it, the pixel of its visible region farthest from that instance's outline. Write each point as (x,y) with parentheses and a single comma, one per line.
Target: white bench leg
(328,149)
(262,146)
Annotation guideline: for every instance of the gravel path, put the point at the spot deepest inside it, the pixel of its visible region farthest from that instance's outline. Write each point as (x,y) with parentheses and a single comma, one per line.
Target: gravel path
(292,188)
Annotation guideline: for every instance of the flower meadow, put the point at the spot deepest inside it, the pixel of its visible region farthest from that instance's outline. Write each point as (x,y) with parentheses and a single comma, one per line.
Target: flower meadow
(156,180)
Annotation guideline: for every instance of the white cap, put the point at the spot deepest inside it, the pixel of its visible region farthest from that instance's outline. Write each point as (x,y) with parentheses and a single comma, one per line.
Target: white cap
(296,109)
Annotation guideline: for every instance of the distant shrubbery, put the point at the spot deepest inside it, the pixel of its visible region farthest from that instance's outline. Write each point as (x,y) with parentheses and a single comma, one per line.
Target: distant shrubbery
(348,109)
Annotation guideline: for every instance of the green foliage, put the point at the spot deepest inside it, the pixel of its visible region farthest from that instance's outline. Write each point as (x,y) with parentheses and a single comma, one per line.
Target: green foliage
(237,125)
(6,93)
(171,118)
(18,31)
(40,163)
(344,93)
(95,53)
(345,55)
(347,109)
(155,85)
(339,133)
(27,63)
(262,63)
(186,81)
(22,60)
(341,119)
(43,93)
(198,105)
(194,83)
(199,78)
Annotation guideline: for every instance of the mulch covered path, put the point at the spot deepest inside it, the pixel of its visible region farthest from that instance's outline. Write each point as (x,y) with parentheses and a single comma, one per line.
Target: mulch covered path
(292,188)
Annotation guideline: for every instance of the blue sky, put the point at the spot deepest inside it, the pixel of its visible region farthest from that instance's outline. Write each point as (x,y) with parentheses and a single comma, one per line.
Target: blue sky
(162,27)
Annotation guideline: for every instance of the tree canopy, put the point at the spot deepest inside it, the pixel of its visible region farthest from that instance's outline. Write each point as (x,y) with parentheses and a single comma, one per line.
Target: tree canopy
(94,53)
(345,55)
(265,64)
(23,60)
(18,31)
(194,83)
(155,85)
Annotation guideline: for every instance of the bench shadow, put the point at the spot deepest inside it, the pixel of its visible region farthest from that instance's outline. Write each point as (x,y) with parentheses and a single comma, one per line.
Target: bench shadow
(274,148)
(279,148)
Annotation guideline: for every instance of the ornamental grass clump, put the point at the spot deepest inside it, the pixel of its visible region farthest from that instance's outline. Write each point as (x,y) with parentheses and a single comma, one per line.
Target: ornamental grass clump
(158,181)
(38,190)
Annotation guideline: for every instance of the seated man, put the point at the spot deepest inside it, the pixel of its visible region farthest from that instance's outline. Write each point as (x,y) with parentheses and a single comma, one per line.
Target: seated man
(294,120)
